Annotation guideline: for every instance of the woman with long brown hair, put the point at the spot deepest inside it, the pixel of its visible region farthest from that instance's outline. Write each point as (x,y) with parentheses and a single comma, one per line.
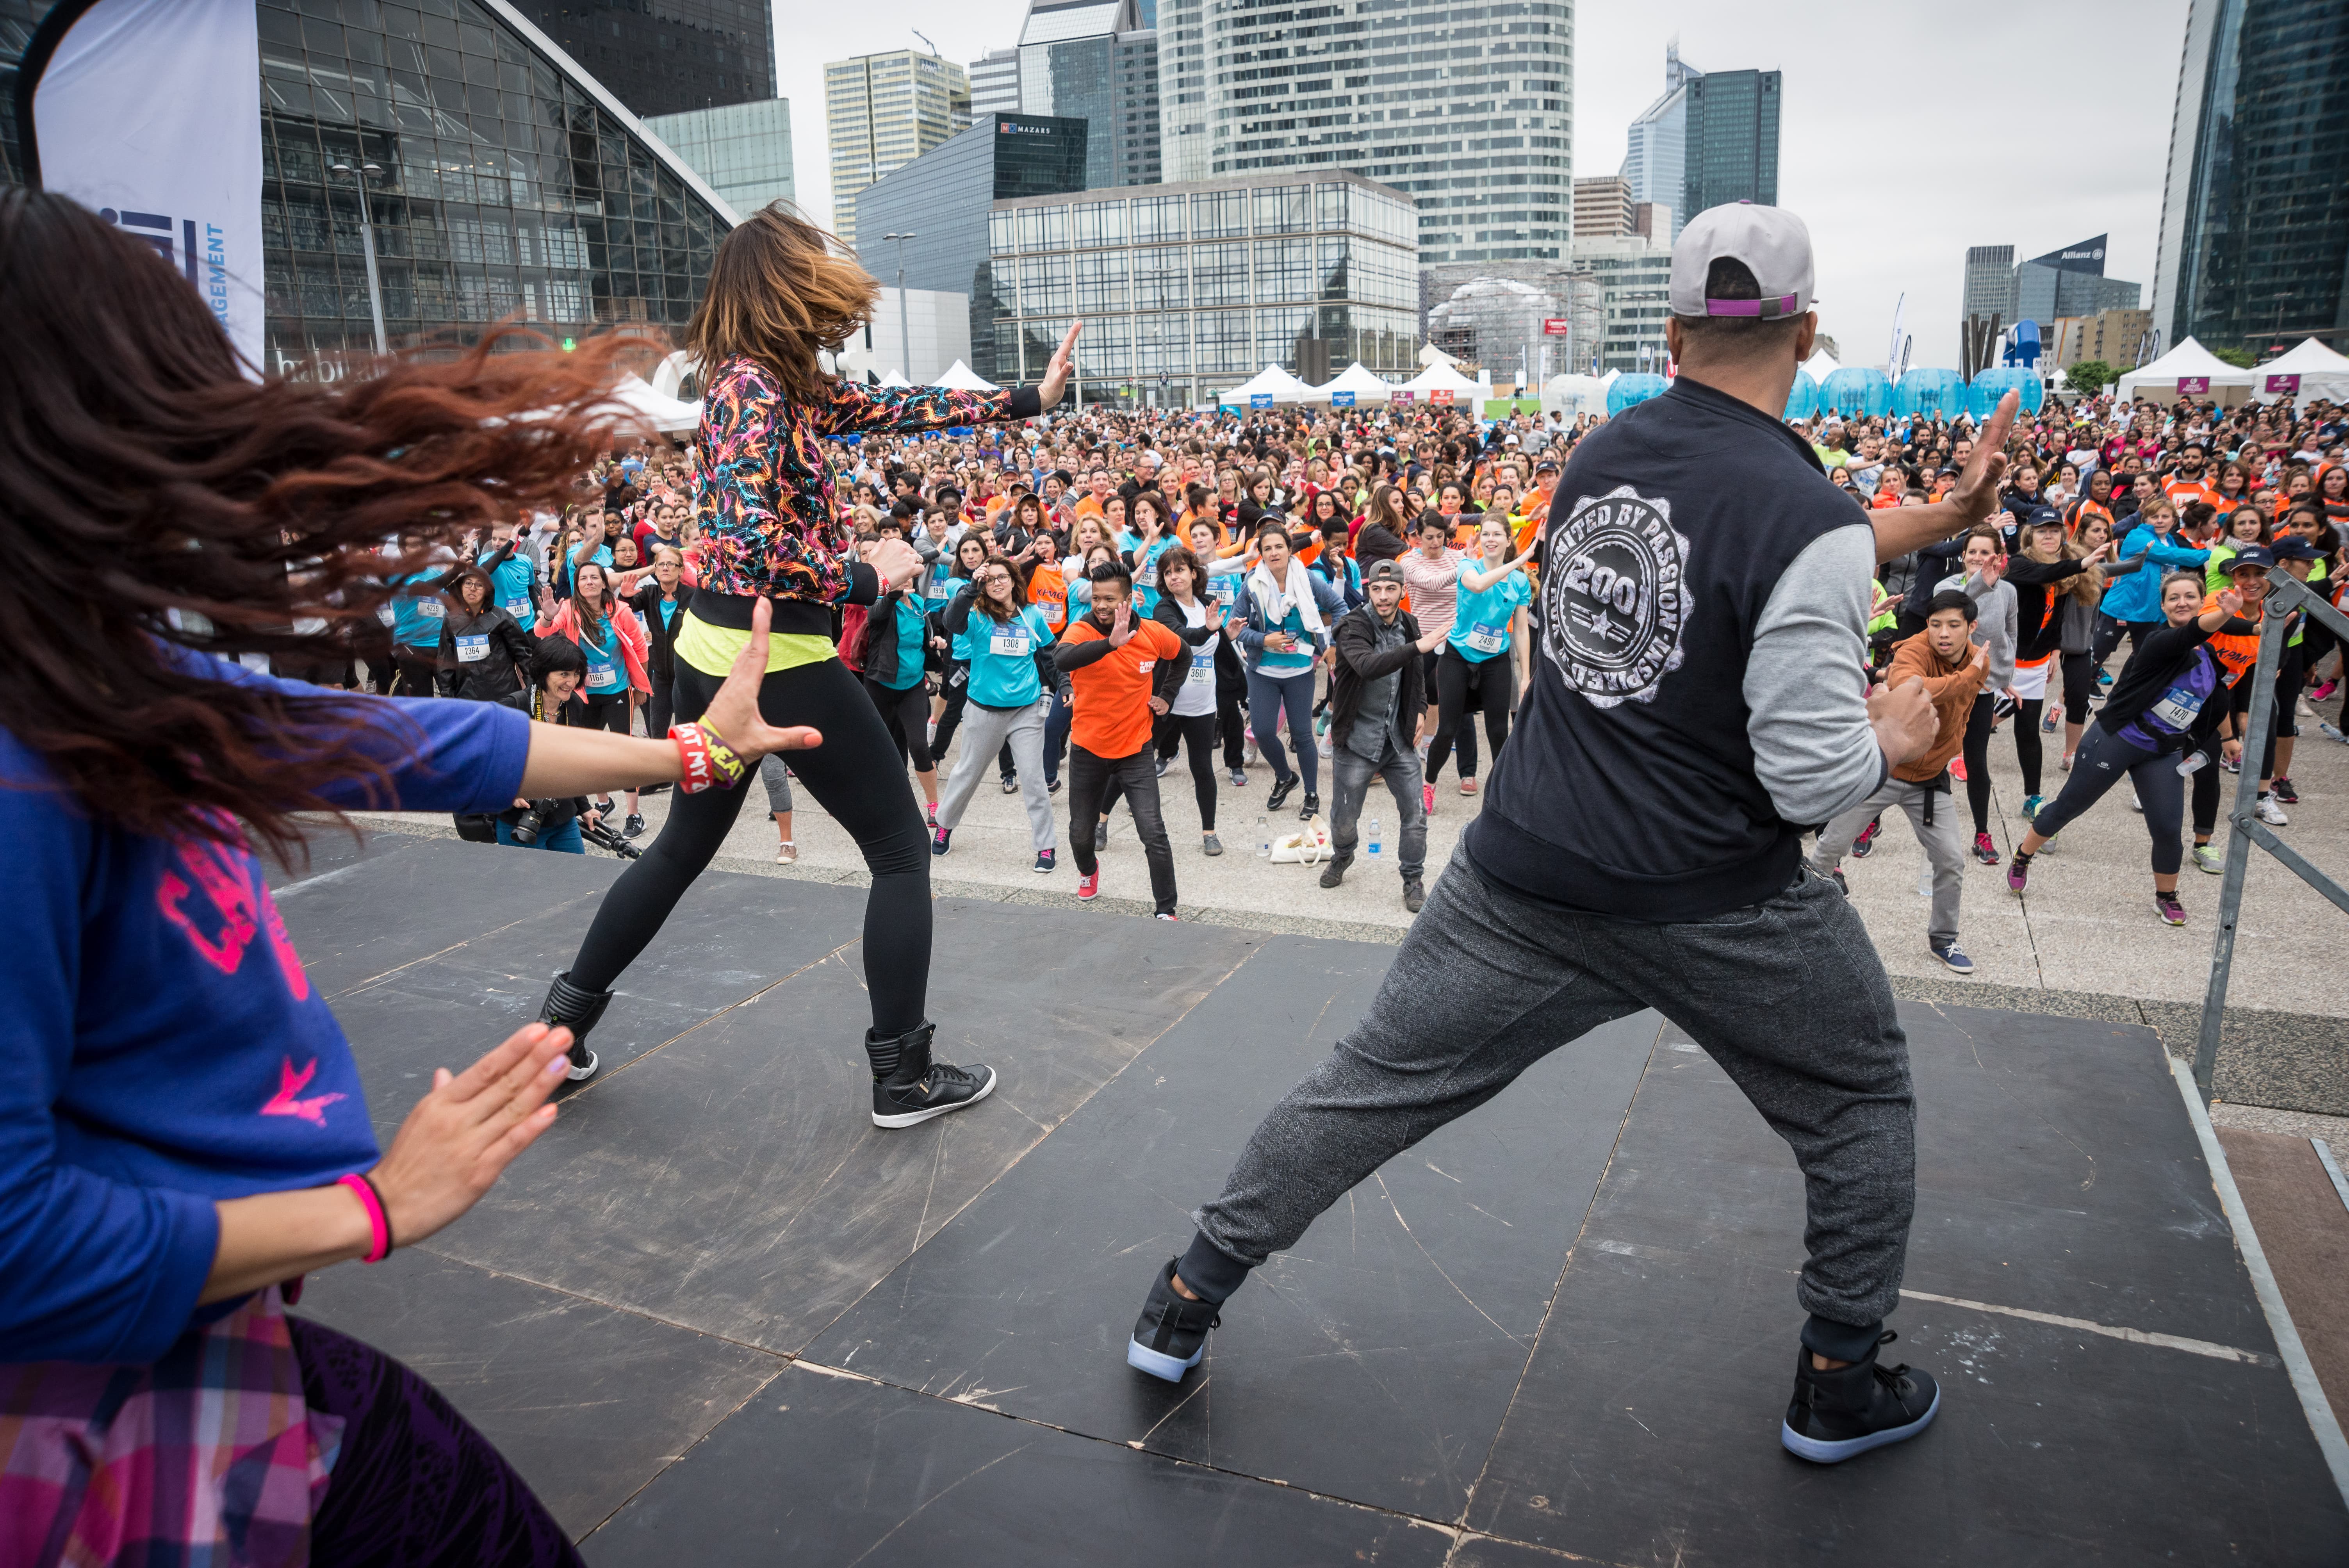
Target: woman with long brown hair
(779,294)
(188,1132)
(610,639)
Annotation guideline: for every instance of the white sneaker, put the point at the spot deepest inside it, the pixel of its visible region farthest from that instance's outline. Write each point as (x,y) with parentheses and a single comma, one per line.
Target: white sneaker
(2270,813)
(2134,804)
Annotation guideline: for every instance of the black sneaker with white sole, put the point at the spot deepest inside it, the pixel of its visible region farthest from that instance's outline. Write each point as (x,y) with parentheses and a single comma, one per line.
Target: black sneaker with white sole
(576,1010)
(1170,1334)
(909,1089)
(1839,1415)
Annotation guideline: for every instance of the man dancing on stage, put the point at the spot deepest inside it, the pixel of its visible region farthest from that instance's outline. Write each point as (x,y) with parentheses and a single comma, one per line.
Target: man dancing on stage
(1705,596)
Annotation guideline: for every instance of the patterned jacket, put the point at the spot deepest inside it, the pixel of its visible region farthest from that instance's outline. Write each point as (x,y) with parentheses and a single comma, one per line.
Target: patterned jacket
(765,499)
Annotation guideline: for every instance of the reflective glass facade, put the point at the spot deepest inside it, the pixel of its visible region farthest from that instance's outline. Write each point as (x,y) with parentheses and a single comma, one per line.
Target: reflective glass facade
(1188,289)
(666,59)
(743,149)
(505,187)
(2255,229)
(1732,149)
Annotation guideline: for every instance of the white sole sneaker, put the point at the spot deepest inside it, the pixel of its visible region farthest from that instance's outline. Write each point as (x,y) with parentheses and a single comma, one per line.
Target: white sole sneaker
(1158,1364)
(1824,1451)
(915,1117)
(581,1074)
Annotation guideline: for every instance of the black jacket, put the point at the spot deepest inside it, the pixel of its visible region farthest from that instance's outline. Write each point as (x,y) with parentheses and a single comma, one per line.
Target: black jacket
(1358,660)
(660,641)
(503,667)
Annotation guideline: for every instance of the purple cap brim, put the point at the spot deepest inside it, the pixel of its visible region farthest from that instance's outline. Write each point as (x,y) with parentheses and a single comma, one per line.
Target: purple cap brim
(1768,308)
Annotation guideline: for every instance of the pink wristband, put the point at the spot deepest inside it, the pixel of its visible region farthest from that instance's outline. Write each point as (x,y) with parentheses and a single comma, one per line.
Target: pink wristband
(378,1223)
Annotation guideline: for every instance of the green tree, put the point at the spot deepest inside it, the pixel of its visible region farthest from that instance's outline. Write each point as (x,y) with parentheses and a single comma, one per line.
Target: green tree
(2241,359)
(2089,377)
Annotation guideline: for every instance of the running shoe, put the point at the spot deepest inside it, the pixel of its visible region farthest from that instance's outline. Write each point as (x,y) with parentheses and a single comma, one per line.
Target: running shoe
(938,842)
(1101,836)
(2065,763)
(1170,1334)
(2018,875)
(2281,787)
(1957,768)
(1282,789)
(2207,857)
(1051,786)
(1839,1415)
(787,853)
(1865,845)
(1312,804)
(1239,779)
(933,811)
(2324,692)
(1161,766)
(1089,887)
(1045,862)
(1011,781)
(2054,717)
(2103,679)
(1211,845)
(2232,764)
(1949,954)
(2173,912)
(2270,813)
(2134,804)
(1166,914)
(634,826)
(1427,799)
(1985,851)
(1468,786)
(2030,804)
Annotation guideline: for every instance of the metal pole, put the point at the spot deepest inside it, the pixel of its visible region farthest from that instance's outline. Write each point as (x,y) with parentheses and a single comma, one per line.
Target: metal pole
(905,316)
(367,248)
(2239,846)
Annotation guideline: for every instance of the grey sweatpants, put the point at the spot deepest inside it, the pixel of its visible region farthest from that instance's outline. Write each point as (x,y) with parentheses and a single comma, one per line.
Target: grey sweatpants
(984,731)
(1944,841)
(1787,996)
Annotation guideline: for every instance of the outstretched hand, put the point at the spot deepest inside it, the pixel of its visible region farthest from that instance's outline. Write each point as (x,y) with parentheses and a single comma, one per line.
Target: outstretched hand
(1977,491)
(1121,629)
(1056,375)
(460,1137)
(734,714)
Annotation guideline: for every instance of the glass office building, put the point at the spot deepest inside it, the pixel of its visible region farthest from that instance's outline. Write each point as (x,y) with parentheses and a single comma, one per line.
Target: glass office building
(942,198)
(508,183)
(1187,290)
(743,149)
(883,112)
(1094,60)
(2254,249)
(668,57)
(1731,150)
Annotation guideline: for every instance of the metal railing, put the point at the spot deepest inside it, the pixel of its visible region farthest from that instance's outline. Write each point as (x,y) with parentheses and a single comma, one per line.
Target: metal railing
(2285,594)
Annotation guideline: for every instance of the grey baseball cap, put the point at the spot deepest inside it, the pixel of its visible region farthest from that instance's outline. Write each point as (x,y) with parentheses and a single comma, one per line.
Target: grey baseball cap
(1774,244)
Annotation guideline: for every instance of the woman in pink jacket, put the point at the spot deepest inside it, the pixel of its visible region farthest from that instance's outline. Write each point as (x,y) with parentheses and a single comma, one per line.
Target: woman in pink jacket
(612,640)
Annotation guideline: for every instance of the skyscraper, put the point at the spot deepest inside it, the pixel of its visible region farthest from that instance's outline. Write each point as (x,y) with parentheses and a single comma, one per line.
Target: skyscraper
(1990,283)
(1732,140)
(681,55)
(882,112)
(1483,142)
(743,149)
(1655,152)
(1096,61)
(994,84)
(2070,282)
(2254,247)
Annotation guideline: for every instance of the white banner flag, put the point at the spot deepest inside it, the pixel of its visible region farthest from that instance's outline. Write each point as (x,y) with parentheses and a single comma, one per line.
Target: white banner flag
(148,114)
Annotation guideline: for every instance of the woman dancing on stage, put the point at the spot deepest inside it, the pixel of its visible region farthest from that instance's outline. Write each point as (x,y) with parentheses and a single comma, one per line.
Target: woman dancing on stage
(185,1132)
(778,294)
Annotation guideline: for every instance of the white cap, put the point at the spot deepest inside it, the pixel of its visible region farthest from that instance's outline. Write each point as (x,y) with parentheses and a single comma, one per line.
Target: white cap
(1772,241)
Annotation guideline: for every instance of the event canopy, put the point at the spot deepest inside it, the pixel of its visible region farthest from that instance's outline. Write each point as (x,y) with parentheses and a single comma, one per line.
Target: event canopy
(2189,361)
(1444,379)
(961,377)
(1363,382)
(1273,380)
(895,378)
(2323,374)
(664,414)
(1574,395)
(1820,365)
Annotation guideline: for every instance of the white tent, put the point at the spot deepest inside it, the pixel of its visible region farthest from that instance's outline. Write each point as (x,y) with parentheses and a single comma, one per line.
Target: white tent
(1364,384)
(1431,355)
(664,414)
(2189,359)
(1820,365)
(2323,374)
(895,378)
(961,377)
(1272,379)
(1573,394)
(1442,378)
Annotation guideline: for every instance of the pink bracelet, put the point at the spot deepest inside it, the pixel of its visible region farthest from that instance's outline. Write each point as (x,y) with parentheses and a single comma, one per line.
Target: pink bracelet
(378,1223)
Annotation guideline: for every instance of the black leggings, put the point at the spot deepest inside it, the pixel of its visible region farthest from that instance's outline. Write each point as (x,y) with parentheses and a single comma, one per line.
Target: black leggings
(2102,762)
(907,716)
(1977,751)
(852,777)
(2079,686)
(1456,682)
(1198,732)
(2291,673)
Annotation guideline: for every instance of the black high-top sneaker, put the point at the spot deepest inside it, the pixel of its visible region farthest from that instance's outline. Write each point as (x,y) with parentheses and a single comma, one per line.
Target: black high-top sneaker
(1836,1415)
(909,1089)
(1170,1334)
(575,1010)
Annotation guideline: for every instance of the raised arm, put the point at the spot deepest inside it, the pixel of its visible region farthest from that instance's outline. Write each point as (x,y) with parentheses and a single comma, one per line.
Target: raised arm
(1901,529)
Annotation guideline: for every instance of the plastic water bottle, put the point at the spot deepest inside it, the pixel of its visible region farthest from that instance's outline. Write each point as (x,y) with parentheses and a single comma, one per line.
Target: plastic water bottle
(1375,837)
(1263,839)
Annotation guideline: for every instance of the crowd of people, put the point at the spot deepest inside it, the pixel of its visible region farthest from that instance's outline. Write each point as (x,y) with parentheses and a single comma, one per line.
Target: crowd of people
(830,582)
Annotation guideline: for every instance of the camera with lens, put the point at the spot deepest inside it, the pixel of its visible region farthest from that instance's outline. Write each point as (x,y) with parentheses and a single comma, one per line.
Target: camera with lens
(531,824)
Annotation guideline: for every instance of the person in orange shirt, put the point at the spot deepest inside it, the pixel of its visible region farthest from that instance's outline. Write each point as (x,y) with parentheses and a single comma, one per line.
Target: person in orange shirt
(1123,671)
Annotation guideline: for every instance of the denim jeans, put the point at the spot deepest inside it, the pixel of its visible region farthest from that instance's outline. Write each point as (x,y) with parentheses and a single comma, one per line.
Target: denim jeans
(1400,769)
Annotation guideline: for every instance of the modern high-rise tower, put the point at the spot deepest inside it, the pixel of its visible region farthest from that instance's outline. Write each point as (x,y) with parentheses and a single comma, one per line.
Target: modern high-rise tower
(1732,140)
(680,55)
(882,112)
(1655,152)
(1474,118)
(1096,60)
(2254,247)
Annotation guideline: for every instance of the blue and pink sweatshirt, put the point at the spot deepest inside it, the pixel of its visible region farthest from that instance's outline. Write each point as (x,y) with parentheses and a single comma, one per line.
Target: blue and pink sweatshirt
(161,1047)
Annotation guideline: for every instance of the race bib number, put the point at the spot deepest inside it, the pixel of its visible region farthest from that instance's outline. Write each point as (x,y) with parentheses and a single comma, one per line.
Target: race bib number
(1484,638)
(1056,615)
(1201,673)
(1010,644)
(519,609)
(431,608)
(602,677)
(1146,574)
(1221,591)
(472,650)
(2177,708)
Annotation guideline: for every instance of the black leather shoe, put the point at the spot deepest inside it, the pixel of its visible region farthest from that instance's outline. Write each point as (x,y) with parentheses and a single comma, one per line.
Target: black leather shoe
(576,1010)
(1839,1414)
(1334,873)
(1312,807)
(909,1089)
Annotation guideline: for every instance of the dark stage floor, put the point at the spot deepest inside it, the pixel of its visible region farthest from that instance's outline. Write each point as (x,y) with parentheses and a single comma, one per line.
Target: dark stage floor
(717,1318)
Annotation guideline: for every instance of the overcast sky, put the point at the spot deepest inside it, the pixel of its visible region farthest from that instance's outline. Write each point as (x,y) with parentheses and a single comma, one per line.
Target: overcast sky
(1908,132)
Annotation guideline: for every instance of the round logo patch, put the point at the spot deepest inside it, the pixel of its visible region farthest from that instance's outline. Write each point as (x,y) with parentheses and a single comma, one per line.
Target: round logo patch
(1612,599)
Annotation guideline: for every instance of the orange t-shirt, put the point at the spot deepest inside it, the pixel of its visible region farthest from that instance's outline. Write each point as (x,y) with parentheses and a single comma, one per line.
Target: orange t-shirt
(2239,652)
(1112,695)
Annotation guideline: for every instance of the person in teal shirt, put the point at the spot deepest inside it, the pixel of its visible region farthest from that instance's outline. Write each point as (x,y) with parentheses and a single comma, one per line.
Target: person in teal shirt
(1477,666)
(890,658)
(1154,538)
(1009,643)
(511,575)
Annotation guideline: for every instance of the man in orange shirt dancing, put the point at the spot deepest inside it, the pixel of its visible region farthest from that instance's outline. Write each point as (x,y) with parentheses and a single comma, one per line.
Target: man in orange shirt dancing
(1116,662)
